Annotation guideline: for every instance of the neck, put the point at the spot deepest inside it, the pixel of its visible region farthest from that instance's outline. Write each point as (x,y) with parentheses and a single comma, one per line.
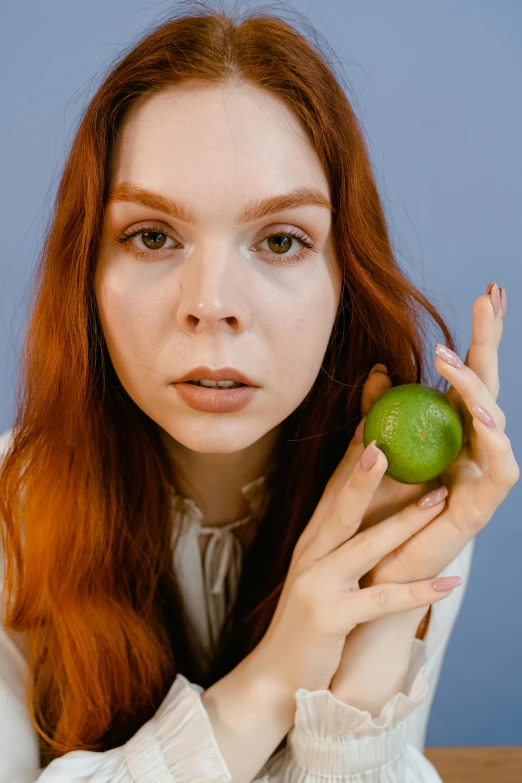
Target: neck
(214,480)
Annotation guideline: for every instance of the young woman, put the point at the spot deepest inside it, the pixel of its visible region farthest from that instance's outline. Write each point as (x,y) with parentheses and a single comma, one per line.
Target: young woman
(224,585)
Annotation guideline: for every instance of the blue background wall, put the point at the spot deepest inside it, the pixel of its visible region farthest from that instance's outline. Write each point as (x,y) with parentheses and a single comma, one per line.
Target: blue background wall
(436,87)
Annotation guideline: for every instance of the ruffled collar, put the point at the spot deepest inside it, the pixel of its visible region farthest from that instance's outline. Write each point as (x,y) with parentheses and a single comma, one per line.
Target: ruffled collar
(224,550)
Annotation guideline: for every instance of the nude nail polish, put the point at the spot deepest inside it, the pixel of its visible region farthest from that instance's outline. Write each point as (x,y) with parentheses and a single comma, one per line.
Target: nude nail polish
(449,356)
(369,456)
(484,415)
(494,294)
(446,583)
(433,497)
(503,302)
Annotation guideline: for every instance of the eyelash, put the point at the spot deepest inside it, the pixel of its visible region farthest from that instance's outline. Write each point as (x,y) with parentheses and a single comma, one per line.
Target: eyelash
(126,236)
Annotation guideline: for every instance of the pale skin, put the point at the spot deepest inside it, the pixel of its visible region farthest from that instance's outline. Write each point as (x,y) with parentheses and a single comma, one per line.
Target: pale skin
(478,481)
(217,292)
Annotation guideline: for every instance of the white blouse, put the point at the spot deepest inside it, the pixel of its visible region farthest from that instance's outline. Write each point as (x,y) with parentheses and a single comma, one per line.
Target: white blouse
(329,742)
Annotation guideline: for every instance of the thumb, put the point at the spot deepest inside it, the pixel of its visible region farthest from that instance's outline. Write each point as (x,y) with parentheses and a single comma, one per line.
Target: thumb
(376,384)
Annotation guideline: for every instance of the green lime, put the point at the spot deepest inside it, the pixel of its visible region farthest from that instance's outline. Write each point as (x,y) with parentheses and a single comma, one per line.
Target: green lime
(419,430)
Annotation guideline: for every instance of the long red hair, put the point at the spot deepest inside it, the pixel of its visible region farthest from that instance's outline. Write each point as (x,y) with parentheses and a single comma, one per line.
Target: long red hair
(84,486)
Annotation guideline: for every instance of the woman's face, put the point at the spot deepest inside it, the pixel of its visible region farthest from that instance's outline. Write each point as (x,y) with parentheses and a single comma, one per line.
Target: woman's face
(216,291)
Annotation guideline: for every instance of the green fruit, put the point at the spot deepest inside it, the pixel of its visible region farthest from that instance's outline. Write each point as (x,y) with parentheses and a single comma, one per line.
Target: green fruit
(419,430)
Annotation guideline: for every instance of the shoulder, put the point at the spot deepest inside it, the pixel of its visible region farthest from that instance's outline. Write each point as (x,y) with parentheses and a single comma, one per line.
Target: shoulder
(7,637)
(5,442)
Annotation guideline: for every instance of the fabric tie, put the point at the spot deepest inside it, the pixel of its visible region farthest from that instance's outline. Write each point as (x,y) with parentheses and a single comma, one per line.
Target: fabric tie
(223,552)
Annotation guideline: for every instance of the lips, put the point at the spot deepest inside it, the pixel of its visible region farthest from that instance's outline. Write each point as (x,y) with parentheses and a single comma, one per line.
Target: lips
(213,400)
(221,374)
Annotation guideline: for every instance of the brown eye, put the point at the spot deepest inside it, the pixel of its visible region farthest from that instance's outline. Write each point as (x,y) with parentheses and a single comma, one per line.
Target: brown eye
(280,243)
(153,240)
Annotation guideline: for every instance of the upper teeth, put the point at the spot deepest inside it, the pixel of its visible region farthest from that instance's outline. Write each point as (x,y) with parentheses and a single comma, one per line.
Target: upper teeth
(214,383)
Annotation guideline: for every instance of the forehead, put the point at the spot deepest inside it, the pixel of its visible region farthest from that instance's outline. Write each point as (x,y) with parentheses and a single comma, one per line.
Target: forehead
(218,139)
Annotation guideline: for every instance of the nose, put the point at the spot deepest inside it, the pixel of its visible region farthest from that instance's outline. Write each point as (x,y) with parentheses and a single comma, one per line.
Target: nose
(213,294)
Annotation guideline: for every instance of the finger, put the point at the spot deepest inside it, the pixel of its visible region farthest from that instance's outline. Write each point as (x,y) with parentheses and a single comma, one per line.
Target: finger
(369,603)
(368,547)
(347,509)
(501,474)
(472,391)
(482,358)
(376,384)
(486,331)
(468,384)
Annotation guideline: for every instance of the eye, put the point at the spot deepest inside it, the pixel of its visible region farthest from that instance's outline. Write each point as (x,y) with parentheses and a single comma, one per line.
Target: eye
(152,236)
(288,236)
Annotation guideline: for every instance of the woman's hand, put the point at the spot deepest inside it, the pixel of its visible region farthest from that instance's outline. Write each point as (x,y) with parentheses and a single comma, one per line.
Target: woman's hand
(477,482)
(482,474)
(321,601)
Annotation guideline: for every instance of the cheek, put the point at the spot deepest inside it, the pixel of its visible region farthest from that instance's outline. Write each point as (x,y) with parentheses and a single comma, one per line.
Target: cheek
(128,322)
(301,327)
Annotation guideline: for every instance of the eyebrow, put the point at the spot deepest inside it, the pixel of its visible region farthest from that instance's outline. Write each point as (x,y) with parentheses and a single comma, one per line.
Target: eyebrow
(259,208)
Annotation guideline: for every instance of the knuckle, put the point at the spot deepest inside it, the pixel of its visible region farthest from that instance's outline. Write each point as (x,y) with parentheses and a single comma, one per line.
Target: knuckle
(510,476)
(415,592)
(336,518)
(303,587)
(308,590)
(513,475)
(312,605)
(382,595)
(507,449)
(365,540)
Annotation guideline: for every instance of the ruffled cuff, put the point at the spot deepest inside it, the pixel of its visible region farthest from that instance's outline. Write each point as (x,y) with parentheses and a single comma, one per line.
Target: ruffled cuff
(178,743)
(333,739)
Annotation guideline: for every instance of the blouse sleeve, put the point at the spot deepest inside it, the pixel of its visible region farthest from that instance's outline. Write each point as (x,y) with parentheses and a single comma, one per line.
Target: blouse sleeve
(176,744)
(334,741)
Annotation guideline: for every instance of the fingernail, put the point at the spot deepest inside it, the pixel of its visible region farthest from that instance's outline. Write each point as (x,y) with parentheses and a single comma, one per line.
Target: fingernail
(494,295)
(449,356)
(369,456)
(379,368)
(484,415)
(433,497)
(446,583)
(359,432)
(503,302)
